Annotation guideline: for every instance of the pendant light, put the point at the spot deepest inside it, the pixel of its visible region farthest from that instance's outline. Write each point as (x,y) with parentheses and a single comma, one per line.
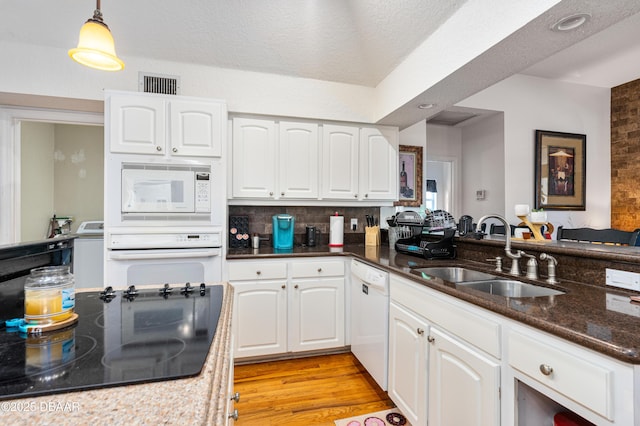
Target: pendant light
(95,45)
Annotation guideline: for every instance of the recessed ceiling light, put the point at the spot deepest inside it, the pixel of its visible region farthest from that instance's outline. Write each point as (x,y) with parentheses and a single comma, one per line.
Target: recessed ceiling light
(426,106)
(571,22)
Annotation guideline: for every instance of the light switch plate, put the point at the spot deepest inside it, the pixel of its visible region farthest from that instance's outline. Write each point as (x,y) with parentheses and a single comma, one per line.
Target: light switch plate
(354,223)
(623,279)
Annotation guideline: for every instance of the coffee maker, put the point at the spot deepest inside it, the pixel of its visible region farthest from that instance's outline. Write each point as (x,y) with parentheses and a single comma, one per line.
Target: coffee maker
(283,225)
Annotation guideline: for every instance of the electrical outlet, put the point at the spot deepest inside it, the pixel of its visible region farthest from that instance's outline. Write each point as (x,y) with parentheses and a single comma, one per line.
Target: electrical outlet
(623,279)
(354,224)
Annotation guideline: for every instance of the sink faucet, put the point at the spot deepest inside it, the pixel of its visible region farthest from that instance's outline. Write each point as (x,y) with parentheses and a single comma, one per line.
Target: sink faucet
(515,269)
(551,265)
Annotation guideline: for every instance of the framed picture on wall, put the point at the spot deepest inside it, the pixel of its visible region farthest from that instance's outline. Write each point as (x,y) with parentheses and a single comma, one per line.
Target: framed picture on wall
(560,171)
(410,166)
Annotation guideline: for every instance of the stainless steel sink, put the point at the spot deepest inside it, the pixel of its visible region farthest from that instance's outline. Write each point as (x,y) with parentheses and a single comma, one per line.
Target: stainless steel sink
(510,288)
(452,274)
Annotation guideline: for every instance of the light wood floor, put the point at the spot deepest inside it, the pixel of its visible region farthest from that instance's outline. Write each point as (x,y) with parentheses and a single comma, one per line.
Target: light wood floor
(307,391)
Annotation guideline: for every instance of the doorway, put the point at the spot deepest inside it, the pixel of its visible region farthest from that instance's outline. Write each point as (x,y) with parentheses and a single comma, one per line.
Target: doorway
(11,176)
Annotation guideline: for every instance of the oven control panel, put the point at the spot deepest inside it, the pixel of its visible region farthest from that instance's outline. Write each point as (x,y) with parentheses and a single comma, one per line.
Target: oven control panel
(146,240)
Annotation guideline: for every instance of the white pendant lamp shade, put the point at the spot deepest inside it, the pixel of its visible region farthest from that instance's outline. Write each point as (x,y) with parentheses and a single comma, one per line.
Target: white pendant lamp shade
(95,45)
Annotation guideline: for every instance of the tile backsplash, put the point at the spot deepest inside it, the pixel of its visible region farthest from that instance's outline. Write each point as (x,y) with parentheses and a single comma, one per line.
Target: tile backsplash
(260,220)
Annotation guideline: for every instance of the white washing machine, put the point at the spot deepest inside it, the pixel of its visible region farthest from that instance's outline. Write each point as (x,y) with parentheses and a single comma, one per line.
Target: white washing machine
(88,255)
(370,319)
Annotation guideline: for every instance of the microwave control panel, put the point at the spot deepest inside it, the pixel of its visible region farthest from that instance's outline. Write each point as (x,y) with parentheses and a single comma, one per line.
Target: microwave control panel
(203,192)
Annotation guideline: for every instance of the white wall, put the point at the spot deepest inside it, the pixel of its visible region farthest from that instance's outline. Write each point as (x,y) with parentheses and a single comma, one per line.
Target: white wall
(247,92)
(444,144)
(36,179)
(483,167)
(79,173)
(531,103)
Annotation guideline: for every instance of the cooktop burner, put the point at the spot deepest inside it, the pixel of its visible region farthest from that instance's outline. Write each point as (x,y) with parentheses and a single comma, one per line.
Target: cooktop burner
(121,337)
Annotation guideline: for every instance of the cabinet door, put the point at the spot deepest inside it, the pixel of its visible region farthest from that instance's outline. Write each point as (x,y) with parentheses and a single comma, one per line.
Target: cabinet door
(298,152)
(340,162)
(196,128)
(260,318)
(254,158)
(408,364)
(378,164)
(137,124)
(463,384)
(316,318)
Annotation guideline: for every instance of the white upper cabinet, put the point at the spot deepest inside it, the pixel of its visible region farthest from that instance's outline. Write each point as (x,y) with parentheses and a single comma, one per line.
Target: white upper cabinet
(142,123)
(196,128)
(298,152)
(378,163)
(340,162)
(254,158)
(137,124)
(308,161)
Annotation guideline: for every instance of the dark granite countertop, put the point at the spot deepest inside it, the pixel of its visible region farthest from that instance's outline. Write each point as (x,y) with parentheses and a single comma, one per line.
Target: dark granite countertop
(594,316)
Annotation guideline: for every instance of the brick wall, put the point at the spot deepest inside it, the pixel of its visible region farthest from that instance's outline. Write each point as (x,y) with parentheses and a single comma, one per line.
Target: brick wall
(625,156)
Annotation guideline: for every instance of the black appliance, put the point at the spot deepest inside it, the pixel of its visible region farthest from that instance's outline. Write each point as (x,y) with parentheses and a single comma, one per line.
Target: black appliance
(121,337)
(465,225)
(311,236)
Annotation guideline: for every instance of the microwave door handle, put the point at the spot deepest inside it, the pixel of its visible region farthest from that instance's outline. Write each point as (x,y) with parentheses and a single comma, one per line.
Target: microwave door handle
(164,255)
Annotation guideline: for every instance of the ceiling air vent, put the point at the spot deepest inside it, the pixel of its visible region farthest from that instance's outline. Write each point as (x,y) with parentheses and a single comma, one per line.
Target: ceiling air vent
(156,83)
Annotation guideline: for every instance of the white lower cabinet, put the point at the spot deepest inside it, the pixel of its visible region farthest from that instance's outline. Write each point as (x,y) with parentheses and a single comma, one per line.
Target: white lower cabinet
(408,363)
(437,377)
(564,375)
(285,307)
(463,383)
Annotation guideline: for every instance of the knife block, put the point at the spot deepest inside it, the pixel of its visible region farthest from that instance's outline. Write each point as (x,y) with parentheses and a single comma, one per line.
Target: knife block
(372,236)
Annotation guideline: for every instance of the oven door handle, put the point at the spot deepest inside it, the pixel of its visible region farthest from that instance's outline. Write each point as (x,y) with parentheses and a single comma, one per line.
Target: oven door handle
(164,255)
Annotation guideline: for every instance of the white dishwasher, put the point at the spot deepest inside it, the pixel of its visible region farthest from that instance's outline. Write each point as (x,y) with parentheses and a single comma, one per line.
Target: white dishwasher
(370,319)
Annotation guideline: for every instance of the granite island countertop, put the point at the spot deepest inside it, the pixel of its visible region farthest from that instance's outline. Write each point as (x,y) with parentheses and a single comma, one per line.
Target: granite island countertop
(593,315)
(198,400)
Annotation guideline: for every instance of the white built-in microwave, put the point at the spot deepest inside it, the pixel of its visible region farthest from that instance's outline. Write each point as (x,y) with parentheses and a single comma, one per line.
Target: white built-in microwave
(150,189)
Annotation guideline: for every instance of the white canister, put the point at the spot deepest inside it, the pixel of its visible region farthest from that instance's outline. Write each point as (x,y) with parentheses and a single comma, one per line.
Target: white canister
(336,231)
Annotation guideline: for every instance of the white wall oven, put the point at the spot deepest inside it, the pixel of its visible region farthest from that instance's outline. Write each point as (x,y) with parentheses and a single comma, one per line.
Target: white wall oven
(158,256)
(163,220)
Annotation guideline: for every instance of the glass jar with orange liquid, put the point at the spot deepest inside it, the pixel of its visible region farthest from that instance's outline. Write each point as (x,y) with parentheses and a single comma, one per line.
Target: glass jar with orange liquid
(49,295)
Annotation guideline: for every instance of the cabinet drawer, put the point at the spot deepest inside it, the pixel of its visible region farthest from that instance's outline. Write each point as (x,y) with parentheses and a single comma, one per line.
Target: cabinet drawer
(317,269)
(578,378)
(460,319)
(242,271)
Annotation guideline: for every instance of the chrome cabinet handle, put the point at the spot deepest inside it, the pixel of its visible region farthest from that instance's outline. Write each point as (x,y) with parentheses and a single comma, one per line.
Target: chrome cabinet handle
(420,331)
(546,369)
(234,415)
(175,150)
(235,397)
(158,148)
(431,339)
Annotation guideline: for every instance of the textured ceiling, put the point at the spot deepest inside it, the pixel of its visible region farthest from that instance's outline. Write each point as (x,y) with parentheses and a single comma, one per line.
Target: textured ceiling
(350,41)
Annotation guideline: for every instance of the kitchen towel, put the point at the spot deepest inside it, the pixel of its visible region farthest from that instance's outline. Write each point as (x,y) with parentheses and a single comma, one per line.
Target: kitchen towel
(390,417)
(336,231)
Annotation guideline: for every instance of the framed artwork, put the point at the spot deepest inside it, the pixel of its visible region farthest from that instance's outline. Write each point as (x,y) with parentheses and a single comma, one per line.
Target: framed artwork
(410,167)
(560,171)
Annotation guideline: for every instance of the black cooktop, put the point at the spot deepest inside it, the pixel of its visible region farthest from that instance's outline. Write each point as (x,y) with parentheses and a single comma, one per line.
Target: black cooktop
(121,337)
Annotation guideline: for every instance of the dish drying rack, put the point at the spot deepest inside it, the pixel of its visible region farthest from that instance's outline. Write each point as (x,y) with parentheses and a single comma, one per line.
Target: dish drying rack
(410,239)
